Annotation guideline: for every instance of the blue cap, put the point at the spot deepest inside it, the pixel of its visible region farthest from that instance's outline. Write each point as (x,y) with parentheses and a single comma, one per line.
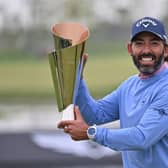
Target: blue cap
(149,24)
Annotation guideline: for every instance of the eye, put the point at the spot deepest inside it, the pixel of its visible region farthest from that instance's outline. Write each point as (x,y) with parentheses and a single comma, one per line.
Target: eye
(155,43)
(138,43)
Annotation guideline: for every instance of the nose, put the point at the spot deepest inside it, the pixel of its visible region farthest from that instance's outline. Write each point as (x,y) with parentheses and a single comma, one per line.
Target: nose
(146,49)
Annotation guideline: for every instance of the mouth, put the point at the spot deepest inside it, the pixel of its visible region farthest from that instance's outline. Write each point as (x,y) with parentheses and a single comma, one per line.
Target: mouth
(147,60)
(148,63)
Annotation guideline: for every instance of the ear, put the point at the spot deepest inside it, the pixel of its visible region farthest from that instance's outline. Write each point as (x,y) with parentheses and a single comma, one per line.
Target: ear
(129,48)
(166,51)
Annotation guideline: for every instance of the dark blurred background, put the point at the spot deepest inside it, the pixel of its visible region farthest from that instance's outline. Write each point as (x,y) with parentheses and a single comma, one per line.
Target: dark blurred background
(28,134)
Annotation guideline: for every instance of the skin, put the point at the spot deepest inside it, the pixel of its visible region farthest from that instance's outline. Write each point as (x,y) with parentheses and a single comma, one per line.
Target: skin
(144,43)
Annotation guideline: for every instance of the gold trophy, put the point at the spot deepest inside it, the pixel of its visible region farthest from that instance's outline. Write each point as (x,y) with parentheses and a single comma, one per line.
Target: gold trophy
(66,64)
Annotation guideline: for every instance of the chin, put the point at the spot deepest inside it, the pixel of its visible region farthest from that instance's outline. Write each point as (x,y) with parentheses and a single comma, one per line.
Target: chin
(147,71)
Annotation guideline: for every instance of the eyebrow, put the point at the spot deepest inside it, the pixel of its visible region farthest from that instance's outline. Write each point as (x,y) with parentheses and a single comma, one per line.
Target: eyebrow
(157,38)
(153,39)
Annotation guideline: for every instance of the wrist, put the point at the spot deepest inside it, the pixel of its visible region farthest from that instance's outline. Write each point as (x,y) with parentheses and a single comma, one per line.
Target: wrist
(91,132)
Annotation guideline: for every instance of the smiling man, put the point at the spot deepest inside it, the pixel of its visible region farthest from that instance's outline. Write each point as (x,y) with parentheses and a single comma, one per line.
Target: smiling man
(148,45)
(140,103)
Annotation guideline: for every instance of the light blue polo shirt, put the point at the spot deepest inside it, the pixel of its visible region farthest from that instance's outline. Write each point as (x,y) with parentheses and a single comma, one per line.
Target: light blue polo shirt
(142,107)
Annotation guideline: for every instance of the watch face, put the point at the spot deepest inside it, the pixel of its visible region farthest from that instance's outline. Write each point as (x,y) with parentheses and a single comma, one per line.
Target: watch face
(91,131)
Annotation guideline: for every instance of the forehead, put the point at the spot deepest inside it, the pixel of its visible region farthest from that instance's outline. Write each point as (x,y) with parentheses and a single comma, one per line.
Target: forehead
(146,35)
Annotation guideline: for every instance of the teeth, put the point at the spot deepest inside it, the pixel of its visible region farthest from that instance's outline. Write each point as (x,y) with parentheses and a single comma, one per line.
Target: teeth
(146,59)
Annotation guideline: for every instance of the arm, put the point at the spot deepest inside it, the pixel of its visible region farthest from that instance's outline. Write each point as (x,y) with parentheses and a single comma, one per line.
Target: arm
(151,128)
(97,111)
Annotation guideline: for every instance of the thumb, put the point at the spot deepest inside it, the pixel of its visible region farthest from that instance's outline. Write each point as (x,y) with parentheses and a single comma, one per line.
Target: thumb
(78,115)
(84,57)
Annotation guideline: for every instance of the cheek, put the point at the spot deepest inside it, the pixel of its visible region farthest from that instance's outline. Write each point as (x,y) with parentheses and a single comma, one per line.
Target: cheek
(158,53)
(136,51)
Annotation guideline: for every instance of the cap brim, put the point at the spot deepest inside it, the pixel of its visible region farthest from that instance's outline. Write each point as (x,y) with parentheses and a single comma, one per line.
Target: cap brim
(158,35)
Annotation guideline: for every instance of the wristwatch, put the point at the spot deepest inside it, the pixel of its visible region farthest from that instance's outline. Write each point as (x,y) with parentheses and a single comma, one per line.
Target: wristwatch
(91,132)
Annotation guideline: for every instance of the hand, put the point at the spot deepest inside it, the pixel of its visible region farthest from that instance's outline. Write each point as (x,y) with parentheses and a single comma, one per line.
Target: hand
(75,128)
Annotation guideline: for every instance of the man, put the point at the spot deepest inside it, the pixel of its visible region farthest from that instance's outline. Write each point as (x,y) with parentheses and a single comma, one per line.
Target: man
(141,104)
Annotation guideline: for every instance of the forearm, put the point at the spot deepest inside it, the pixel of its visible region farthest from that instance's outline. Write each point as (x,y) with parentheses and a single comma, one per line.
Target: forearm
(87,105)
(151,128)
(100,111)
(121,139)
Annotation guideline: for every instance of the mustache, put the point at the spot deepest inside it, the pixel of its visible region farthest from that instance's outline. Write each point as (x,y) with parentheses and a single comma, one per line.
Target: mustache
(146,55)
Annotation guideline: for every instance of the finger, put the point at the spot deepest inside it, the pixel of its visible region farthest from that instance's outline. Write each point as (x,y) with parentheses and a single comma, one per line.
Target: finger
(62,124)
(75,138)
(85,58)
(78,115)
(66,129)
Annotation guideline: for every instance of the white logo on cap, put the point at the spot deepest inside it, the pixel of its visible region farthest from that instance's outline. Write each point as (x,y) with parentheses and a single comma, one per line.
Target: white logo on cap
(146,22)
(145,25)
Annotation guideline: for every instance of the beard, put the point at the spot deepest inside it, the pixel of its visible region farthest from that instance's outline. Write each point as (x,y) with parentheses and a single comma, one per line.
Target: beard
(148,70)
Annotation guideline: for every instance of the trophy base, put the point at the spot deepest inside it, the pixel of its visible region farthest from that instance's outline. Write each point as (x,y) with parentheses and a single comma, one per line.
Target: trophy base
(68,113)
